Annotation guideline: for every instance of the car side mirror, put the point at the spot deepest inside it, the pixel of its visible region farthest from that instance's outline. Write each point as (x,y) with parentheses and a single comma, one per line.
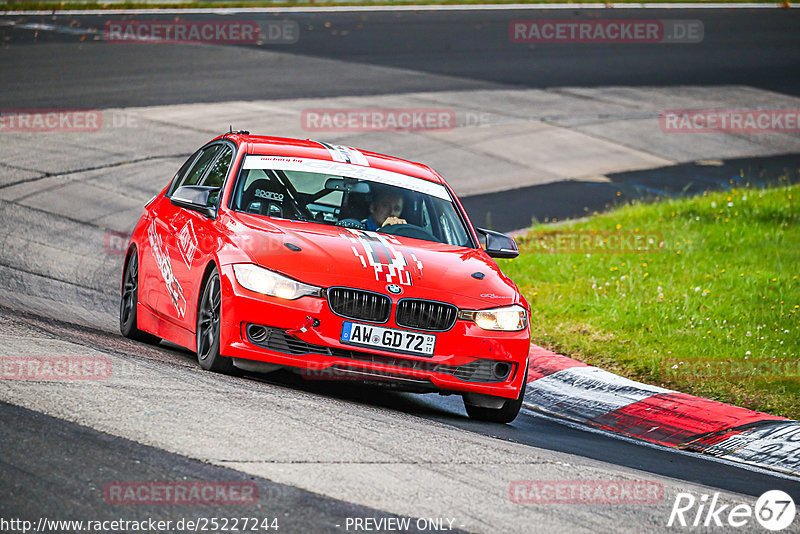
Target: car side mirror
(499,245)
(199,198)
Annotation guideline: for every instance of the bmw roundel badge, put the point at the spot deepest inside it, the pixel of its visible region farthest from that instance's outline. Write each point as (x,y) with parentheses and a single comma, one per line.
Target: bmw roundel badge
(394,289)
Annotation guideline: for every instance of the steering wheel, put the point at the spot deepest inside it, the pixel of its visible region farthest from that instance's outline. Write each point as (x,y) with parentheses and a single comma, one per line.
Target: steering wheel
(408,230)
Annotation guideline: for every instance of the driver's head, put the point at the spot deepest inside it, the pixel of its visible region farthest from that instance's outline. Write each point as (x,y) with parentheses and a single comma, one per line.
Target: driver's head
(386,203)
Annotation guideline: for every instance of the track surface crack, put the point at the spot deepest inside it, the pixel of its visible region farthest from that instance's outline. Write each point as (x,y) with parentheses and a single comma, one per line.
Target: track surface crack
(86,169)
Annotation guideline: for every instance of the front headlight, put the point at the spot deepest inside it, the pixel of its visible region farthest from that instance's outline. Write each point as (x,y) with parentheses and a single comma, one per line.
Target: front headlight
(270,283)
(509,319)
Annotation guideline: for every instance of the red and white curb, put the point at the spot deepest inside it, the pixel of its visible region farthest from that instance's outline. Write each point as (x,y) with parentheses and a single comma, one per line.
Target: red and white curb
(567,388)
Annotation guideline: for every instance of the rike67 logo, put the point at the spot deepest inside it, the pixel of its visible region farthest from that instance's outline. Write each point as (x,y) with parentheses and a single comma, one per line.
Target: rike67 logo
(774,510)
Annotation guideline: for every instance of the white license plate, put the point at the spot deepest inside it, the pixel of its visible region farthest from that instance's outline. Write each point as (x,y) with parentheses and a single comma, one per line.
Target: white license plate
(391,339)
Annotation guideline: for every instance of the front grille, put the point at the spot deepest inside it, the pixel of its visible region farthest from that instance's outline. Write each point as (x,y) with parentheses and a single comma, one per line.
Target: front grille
(483,371)
(360,305)
(425,315)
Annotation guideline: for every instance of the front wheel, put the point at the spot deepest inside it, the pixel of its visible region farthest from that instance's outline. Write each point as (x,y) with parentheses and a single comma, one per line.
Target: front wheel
(208,318)
(128,324)
(505,414)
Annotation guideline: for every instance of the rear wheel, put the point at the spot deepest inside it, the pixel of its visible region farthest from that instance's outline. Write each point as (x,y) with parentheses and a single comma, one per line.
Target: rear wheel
(130,298)
(208,330)
(505,414)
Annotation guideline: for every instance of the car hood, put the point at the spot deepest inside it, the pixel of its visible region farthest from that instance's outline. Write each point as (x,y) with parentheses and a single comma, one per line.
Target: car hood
(326,256)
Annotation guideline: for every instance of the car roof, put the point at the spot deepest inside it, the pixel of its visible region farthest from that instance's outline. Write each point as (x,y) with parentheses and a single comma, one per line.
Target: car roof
(308,148)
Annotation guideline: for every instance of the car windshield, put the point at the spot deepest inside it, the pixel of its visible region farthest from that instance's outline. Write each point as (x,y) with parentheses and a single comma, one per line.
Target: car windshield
(350,196)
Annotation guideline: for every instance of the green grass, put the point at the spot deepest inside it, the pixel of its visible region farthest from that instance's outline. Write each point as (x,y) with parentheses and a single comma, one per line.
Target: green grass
(91,4)
(693,313)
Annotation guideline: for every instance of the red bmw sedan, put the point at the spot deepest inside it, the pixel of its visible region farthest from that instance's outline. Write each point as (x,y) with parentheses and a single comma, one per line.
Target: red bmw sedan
(266,253)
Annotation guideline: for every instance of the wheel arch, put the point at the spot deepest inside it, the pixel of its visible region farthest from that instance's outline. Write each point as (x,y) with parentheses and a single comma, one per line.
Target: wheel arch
(132,249)
(209,268)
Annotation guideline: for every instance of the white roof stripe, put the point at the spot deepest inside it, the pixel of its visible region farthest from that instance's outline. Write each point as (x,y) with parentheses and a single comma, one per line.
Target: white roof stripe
(336,155)
(355,156)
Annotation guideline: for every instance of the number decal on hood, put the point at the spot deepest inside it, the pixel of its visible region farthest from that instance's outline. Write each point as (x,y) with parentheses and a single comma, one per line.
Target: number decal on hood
(384,254)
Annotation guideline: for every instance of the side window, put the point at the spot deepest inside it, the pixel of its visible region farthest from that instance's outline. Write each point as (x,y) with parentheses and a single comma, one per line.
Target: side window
(220,169)
(182,172)
(199,168)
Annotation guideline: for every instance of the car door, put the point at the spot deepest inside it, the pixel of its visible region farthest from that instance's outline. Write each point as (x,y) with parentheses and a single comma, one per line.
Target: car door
(165,292)
(192,237)
(153,271)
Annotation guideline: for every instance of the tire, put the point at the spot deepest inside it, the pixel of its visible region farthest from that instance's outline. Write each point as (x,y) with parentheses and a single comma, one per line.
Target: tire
(505,414)
(129,300)
(209,311)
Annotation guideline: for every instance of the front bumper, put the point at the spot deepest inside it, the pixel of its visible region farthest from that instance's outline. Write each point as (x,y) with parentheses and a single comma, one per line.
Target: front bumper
(305,334)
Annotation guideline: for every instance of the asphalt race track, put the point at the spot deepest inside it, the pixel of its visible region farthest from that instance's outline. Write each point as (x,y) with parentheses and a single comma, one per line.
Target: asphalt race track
(318,453)
(436,51)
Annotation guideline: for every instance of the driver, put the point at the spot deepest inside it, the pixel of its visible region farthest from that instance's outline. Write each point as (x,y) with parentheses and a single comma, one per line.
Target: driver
(384,210)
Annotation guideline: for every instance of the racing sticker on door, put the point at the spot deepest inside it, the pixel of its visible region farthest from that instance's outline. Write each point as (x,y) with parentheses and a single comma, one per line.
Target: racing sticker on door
(162,260)
(187,243)
(384,254)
